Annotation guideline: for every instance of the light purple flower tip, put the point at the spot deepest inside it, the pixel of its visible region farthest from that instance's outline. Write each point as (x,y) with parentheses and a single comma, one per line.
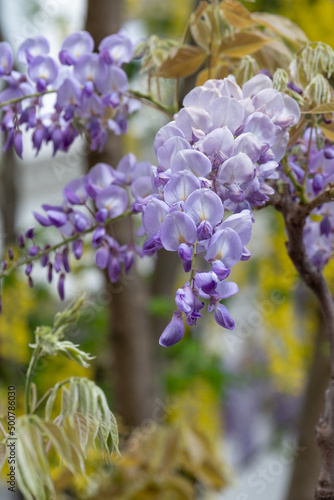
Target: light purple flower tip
(75,191)
(6,59)
(61,286)
(204,205)
(114,199)
(226,246)
(43,70)
(116,49)
(102,257)
(223,318)
(74,46)
(31,48)
(173,332)
(177,228)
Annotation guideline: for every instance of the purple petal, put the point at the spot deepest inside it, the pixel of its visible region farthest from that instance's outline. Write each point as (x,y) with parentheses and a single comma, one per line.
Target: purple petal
(227,112)
(153,216)
(114,199)
(98,178)
(74,46)
(239,169)
(165,133)
(173,332)
(31,48)
(181,185)
(192,160)
(226,246)
(43,68)
(223,318)
(177,228)
(226,289)
(241,223)
(118,47)
(6,59)
(102,257)
(167,152)
(204,204)
(256,84)
(191,118)
(76,191)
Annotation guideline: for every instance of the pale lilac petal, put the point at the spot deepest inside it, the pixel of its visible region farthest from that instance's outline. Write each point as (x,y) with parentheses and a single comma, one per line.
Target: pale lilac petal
(177,228)
(173,332)
(32,47)
(180,186)
(153,216)
(114,199)
(256,84)
(239,169)
(167,152)
(227,112)
(43,68)
(280,144)
(6,59)
(249,144)
(261,126)
(99,177)
(142,187)
(223,318)
(200,97)
(118,47)
(226,246)
(192,160)
(220,140)
(74,46)
(226,289)
(165,133)
(204,204)
(75,191)
(114,81)
(241,223)
(191,118)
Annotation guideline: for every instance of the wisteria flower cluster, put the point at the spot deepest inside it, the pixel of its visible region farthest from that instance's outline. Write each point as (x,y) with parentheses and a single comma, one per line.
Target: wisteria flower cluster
(90,91)
(311,161)
(214,157)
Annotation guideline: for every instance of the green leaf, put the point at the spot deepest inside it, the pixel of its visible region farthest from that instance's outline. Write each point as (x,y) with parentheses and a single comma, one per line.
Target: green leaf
(282,26)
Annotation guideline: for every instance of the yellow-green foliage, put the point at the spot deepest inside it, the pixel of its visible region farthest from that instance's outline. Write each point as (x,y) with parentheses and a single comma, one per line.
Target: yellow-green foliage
(14,332)
(314,17)
(288,338)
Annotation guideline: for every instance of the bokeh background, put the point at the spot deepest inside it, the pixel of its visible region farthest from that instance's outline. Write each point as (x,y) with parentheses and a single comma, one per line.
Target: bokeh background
(236,409)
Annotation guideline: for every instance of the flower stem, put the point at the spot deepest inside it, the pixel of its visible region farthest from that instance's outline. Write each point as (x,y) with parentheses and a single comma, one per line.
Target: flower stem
(65,241)
(30,373)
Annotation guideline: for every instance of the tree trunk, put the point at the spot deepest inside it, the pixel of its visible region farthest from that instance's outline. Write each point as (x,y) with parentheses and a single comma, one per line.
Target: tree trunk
(307,464)
(130,329)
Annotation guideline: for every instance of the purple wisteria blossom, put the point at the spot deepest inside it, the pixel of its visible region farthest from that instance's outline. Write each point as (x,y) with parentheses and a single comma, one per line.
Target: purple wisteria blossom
(213,161)
(89,91)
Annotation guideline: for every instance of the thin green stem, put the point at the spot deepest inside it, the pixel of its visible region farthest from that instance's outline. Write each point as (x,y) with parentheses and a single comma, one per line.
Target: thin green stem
(47,393)
(28,96)
(65,241)
(303,197)
(30,373)
(288,172)
(152,103)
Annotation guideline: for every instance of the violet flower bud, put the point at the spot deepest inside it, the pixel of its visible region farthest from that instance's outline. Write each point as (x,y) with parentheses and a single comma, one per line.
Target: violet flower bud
(30,233)
(33,251)
(10,254)
(50,268)
(77,248)
(66,262)
(28,269)
(61,290)
(20,241)
(173,332)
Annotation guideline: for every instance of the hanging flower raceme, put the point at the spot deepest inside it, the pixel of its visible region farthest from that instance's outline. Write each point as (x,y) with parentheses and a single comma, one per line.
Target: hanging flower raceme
(311,161)
(89,91)
(214,158)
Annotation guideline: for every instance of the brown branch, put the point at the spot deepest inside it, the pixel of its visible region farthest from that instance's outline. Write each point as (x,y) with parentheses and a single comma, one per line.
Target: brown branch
(295,215)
